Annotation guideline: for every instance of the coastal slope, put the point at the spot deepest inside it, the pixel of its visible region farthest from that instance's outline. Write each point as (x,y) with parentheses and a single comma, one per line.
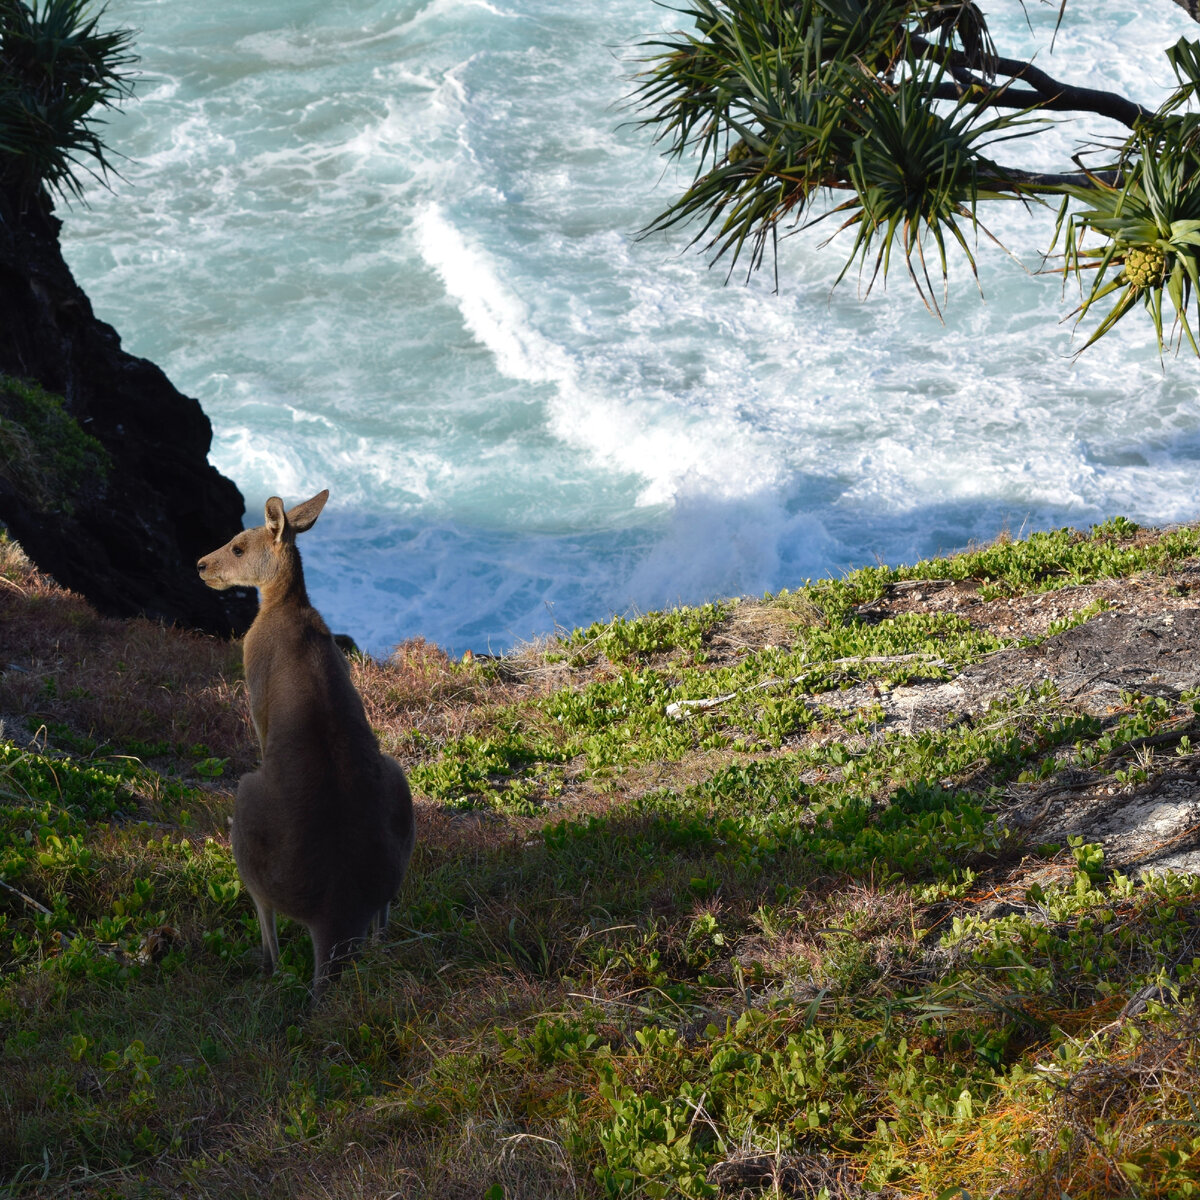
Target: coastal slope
(883,885)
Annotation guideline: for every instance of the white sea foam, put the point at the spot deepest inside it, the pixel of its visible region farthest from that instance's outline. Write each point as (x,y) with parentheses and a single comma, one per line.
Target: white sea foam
(493,314)
(646,435)
(393,252)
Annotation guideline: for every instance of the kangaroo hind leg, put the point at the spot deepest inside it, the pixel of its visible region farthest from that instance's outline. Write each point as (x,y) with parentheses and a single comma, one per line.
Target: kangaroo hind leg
(333,947)
(379,922)
(270,938)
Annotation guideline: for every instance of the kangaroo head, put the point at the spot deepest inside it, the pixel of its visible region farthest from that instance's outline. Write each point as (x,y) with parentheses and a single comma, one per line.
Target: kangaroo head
(262,556)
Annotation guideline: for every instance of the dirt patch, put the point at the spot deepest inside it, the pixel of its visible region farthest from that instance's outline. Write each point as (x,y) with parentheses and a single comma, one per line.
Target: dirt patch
(1033,614)
(1154,830)
(1150,824)
(1114,652)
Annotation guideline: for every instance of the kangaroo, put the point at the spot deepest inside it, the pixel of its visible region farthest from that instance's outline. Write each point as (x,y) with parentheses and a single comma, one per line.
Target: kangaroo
(323,830)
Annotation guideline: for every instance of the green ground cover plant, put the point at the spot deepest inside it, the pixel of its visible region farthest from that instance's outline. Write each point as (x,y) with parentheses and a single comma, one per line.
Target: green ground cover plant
(44,453)
(766,944)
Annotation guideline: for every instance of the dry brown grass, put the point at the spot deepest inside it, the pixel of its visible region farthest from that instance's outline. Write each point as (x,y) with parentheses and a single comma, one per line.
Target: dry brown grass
(421,696)
(1119,1119)
(143,684)
(420,699)
(753,625)
(110,680)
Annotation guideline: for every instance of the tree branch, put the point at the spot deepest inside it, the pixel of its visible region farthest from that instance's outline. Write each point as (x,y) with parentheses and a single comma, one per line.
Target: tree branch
(1006,98)
(1012,179)
(994,177)
(1047,92)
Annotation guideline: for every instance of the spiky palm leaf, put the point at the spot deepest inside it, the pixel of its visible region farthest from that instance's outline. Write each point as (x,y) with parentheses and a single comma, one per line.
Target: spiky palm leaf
(916,171)
(782,100)
(759,98)
(785,101)
(58,72)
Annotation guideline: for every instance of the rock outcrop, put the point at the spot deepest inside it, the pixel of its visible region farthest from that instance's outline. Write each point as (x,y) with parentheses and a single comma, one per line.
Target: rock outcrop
(127,532)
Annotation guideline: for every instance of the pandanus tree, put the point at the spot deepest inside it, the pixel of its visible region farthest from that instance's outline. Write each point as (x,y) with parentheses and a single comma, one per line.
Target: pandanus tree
(59,74)
(892,118)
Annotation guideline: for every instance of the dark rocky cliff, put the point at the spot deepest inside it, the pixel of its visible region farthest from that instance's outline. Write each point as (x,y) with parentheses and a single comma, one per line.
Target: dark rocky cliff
(125,527)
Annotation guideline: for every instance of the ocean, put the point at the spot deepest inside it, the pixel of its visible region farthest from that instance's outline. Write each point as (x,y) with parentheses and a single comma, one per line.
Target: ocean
(392,247)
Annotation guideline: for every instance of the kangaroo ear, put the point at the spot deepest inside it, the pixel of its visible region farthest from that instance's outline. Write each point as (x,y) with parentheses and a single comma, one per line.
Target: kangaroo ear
(304,516)
(276,520)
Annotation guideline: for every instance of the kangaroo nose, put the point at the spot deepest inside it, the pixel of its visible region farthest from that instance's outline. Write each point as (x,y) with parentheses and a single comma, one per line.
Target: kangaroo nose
(202,566)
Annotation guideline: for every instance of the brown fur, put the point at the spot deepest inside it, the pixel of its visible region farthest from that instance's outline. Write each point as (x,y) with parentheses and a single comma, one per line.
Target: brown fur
(323,830)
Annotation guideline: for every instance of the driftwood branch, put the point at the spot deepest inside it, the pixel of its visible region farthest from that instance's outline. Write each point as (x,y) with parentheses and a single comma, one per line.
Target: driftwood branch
(8,887)
(680,708)
(155,943)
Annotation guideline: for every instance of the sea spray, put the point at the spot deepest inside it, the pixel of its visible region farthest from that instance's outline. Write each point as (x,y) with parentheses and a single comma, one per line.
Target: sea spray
(392,247)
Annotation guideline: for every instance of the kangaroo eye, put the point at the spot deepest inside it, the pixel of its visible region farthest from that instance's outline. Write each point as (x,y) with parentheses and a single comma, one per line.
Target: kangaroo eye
(238,552)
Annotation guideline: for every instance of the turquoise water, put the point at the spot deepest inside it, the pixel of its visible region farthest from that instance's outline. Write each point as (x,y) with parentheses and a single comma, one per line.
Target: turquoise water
(391,247)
